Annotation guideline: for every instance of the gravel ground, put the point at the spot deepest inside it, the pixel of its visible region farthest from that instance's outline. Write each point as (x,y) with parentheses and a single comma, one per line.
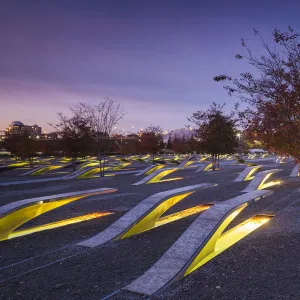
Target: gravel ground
(48,265)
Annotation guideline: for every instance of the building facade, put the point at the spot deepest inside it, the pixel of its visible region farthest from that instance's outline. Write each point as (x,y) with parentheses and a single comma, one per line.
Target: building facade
(18,128)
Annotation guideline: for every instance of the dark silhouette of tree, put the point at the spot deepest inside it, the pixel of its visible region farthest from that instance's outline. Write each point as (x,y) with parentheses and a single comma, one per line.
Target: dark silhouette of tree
(102,118)
(169,143)
(272,93)
(22,146)
(152,140)
(75,134)
(215,131)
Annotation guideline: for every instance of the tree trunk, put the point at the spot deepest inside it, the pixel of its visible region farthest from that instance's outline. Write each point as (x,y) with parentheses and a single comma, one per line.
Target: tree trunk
(30,161)
(100,162)
(74,162)
(103,164)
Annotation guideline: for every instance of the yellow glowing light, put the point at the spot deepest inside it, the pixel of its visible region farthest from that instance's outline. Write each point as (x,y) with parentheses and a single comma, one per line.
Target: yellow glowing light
(264,185)
(159,176)
(182,214)
(149,220)
(282,160)
(121,166)
(188,163)
(252,171)
(65,160)
(89,174)
(18,164)
(203,158)
(235,234)
(157,167)
(91,164)
(45,170)
(220,242)
(57,224)
(13,220)
(208,167)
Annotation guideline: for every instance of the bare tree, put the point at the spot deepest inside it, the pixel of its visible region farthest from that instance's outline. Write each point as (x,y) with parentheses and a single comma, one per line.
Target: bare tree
(102,118)
(152,140)
(75,135)
(22,146)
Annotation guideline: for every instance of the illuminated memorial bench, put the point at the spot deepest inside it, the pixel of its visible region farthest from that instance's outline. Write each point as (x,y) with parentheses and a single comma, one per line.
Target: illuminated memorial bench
(260,181)
(14,165)
(201,242)
(247,174)
(185,164)
(157,176)
(204,167)
(43,169)
(150,170)
(17,213)
(146,215)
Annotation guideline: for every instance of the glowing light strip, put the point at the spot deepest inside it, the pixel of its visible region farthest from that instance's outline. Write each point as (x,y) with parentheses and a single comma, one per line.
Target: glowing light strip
(182,214)
(121,166)
(19,164)
(157,167)
(218,244)
(57,224)
(203,159)
(282,160)
(91,164)
(162,174)
(44,170)
(187,164)
(252,171)
(208,167)
(264,185)
(149,221)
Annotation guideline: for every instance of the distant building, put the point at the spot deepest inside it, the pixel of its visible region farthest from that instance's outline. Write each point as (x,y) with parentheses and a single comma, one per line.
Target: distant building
(2,135)
(18,128)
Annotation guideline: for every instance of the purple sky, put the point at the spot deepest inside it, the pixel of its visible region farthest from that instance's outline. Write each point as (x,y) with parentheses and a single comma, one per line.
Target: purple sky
(157,58)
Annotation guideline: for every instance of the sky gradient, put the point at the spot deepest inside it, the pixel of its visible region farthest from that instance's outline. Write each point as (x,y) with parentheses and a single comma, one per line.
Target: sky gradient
(156,58)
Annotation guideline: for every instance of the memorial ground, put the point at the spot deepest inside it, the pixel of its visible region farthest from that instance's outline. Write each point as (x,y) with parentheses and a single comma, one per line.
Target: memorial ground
(51,265)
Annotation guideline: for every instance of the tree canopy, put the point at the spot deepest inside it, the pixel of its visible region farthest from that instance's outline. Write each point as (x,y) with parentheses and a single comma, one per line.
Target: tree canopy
(215,130)
(272,94)
(151,140)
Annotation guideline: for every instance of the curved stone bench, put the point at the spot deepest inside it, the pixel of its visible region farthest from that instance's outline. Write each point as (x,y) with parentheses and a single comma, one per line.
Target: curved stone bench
(14,165)
(185,164)
(259,181)
(43,169)
(33,170)
(196,245)
(79,172)
(157,175)
(247,174)
(150,170)
(15,214)
(143,216)
(204,167)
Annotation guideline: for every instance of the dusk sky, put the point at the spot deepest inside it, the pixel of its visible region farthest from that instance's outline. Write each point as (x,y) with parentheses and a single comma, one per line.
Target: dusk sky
(156,58)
